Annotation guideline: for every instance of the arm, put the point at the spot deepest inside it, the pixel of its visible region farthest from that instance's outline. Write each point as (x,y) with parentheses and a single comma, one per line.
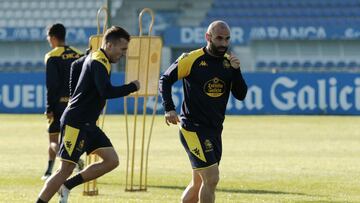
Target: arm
(238,87)
(166,81)
(180,69)
(103,84)
(165,84)
(52,85)
(75,71)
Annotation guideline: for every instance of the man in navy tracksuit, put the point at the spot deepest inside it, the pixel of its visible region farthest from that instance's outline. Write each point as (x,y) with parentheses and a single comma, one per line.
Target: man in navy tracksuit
(79,131)
(208,75)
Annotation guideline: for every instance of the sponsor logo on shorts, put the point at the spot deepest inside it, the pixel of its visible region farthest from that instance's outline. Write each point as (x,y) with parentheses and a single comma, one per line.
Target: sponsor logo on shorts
(80,146)
(208,146)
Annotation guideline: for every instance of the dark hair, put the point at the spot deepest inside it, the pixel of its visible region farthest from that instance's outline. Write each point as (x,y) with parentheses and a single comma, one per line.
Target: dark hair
(115,33)
(57,30)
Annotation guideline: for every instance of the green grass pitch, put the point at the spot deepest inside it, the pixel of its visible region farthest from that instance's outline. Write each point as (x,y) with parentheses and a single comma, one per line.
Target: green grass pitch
(265,159)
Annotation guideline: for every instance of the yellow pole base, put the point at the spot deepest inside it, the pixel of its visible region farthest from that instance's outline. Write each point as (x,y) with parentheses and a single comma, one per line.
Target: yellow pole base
(91,193)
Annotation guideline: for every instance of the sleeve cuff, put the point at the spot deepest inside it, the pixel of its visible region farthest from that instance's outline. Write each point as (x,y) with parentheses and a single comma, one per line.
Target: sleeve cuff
(169,107)
(132,87)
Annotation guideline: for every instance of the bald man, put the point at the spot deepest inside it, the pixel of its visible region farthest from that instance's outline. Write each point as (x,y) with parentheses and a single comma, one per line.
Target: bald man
(209,74)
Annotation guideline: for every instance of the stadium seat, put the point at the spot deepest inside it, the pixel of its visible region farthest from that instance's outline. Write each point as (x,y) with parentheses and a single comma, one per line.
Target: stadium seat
(284,66)
(15,5)
(24,5)
(340,64)
(330,66)
(318,65)
(260,65)
(42,5)
(307,65)
(3,23)
(62,4)
(352,65)
(273,64)
(29,64)
(295,65)
(5,5)
(39,64)
(17,64)
(7,64)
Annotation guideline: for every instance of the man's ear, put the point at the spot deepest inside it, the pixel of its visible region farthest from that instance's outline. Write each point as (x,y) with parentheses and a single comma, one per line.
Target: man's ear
(108,45)
(54,41)
(207,37)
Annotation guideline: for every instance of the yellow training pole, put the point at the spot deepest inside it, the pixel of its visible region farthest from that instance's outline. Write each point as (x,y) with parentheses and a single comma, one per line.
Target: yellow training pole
(146,89)
(143,64)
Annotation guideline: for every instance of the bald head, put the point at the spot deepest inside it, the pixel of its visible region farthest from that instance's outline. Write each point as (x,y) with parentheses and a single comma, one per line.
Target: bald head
(218,26)
(218,38)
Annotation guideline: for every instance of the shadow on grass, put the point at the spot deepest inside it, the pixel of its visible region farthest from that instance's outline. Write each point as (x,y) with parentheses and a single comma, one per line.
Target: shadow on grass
(244,191)
(236,190)
(321,201)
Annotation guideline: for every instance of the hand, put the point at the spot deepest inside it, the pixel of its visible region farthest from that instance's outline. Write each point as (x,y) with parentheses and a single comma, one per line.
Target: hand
(171,117)
(137,83)
(49,116)
(234,61)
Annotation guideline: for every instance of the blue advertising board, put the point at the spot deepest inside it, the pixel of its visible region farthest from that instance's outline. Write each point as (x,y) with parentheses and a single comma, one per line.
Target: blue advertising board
(195,36)
(73,35)
(191,36)
(291,93)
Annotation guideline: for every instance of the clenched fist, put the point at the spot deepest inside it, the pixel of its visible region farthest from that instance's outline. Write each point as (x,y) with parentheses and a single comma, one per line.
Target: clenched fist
(137,83)
(234,61)
(171,117)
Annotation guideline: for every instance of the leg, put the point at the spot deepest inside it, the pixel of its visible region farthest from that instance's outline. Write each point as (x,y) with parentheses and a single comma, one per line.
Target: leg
(53,184)
(191,193)
(210,178)
(109,162)
(52,150)
(53,145)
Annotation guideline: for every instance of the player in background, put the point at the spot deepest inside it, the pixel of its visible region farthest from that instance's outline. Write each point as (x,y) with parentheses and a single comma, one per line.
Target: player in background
(58,62)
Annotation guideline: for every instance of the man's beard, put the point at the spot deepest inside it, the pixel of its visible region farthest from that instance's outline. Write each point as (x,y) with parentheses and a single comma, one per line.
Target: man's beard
(215,50)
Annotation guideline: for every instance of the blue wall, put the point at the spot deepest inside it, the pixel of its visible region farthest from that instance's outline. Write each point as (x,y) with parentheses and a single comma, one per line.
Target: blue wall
(292,93)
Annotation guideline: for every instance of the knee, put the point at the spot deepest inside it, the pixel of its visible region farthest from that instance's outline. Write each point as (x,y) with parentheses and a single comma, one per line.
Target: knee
(112,163)
(54,146)
(66,169)
(115,163)
(212,181)
(191,194)
(190,199)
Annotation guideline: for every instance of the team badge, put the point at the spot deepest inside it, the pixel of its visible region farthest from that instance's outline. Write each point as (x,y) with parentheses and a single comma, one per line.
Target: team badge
(214,87)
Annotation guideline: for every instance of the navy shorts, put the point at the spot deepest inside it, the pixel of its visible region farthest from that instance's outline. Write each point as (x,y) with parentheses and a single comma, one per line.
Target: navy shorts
(54,124)
(74,141)
(203,146)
